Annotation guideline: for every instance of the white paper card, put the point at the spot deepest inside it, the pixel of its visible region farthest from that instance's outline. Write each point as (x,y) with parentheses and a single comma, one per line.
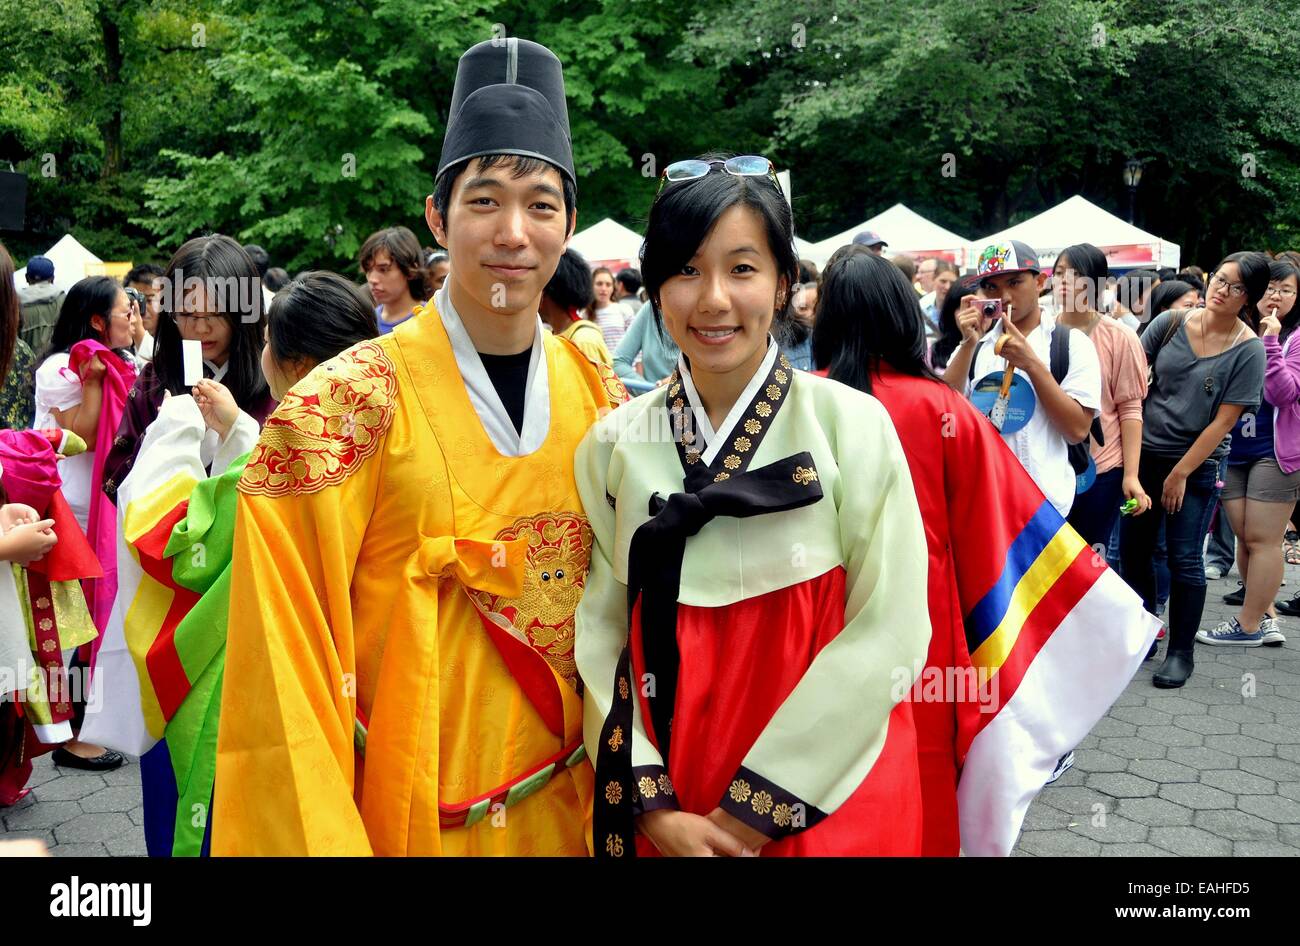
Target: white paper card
(192,355)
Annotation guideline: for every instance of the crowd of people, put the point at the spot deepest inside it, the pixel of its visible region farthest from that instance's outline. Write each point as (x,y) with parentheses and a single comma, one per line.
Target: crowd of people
(403,568)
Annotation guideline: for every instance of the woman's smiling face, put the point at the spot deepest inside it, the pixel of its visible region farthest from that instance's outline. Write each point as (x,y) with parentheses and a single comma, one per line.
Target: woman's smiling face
(719,307)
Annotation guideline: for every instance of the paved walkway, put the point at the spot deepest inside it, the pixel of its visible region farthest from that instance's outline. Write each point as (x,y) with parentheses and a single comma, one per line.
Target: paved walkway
(1208,769)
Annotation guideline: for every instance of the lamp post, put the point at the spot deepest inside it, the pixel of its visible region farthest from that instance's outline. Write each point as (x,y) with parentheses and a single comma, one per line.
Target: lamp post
(1132,178)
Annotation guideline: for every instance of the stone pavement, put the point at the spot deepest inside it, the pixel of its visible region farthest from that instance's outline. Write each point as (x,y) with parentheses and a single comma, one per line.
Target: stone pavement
(1205,770)
(1209,769)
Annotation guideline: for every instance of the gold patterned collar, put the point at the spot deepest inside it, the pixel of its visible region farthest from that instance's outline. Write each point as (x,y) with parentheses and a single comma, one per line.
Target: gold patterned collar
(735,456)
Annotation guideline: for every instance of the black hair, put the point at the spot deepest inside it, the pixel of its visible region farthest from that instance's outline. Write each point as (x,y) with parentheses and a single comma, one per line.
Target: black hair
(949,334)
(1164,296)
(9,311)
(523,167)
(403,250)
(1193,280)
(317,316)
(276,278)
(145,272)
(630,278)
(1089,264)
(807,272)
(219,258)
(868,313)
(259,257)
(1166,272)
(570,287)
(94,295)
(1130,287)
(1253,268)
(684,213)
(1279,270)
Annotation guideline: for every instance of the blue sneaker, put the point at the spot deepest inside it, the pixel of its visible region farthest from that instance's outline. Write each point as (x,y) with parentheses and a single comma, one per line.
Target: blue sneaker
(1229,632)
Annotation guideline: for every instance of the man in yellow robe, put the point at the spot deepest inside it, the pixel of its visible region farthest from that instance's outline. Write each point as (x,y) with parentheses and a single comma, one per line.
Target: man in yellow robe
(410,545)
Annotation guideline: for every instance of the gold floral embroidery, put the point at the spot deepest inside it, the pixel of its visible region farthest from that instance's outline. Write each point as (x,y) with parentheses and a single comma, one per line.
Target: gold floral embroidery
(773,392)
(678,404)
(613,793)
(762,803)
(328,424)
(731,462)
(622,687)
(614,845)
(665,784)
(692,456)
(763,409)
(782,815)
(741,444)
(616,738)
(785,363)
(48,646)
(688,436)
(752,426)
(555,573)
(739,790)
(804,475)
(46,624)
(675,390)
(781,376)
(42,603)
(721,476)
(647,786)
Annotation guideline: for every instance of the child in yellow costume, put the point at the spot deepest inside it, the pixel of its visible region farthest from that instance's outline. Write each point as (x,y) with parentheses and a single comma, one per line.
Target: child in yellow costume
(410,546)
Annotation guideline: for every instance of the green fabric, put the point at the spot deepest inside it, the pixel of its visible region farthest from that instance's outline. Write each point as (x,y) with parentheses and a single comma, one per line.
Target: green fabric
(18,395)
(200,548)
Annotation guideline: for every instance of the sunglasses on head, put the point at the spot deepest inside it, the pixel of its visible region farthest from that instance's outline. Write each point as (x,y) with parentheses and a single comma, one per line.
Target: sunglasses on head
(744,165)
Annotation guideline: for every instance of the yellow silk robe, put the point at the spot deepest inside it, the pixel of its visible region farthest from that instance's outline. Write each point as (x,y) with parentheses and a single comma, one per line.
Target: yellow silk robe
(379,534)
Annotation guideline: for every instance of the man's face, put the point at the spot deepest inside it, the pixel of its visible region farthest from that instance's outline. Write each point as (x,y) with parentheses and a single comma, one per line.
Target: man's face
(942,283)
(150,292)
(1019,291)
(925,275)
(877,248)
(504,235)
(387,282)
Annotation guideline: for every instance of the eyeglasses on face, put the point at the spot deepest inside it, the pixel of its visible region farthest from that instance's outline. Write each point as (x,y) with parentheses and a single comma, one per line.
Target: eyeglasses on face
(1285,292)
(1234,288)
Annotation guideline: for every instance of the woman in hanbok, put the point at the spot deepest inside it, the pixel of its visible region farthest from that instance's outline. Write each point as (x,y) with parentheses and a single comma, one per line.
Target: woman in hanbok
(755,610)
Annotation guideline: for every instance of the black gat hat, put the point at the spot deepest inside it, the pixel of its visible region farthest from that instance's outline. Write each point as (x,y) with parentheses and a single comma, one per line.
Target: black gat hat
(508,99)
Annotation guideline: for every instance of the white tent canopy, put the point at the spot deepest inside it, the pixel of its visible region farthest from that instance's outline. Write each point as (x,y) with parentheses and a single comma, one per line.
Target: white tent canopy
(906,231)
(606,241)
(1078,220)
(69,258)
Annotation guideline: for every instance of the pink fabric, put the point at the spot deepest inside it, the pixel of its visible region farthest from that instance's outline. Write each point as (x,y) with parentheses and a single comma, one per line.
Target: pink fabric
(1123,386)
(101,524)
(1282,388)
(31,469)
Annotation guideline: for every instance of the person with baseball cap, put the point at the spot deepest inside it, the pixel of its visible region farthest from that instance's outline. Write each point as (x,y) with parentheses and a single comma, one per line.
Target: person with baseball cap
(871,240)
(39,302)
(1066,397)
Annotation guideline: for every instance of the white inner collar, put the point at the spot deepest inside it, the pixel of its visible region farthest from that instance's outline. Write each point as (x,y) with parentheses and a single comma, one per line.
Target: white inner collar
(703,426)
(483,394)
(218,371)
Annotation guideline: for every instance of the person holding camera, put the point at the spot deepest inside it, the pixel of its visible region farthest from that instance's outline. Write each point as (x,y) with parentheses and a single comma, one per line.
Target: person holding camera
(1006,327)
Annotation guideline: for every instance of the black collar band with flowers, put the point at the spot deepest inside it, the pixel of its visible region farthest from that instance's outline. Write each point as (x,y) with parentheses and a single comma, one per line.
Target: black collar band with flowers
(735,456)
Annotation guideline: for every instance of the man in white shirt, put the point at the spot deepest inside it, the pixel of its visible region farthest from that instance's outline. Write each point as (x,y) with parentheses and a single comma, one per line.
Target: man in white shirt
(1063,412)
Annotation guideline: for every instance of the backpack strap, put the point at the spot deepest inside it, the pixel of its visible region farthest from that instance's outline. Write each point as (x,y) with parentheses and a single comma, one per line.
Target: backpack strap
(1060,365)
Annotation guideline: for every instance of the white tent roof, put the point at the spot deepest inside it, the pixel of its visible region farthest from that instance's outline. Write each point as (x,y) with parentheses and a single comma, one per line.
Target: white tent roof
(69,258)
(607,240)
(905,230)
(1078,220)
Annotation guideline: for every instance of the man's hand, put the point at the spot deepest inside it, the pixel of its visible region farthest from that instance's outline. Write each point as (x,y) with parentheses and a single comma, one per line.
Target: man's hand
(970,320)
(682,834)
(1014,347)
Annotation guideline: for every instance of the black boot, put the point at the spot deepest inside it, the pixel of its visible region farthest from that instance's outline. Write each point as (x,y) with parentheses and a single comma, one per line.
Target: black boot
(1186,602)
